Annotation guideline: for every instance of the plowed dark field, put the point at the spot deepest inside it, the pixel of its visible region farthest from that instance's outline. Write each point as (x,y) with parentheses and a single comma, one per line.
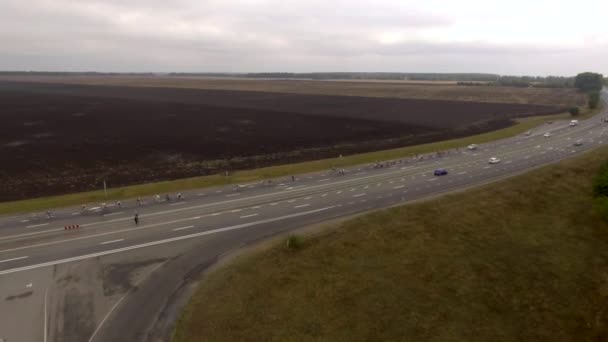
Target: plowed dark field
(63,138)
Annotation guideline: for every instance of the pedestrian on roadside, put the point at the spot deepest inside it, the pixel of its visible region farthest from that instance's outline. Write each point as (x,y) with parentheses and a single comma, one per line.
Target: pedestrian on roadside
(293,178)
(179,196)
(136,219)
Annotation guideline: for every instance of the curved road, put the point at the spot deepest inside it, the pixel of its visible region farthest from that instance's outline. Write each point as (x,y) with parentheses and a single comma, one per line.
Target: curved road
(177,238)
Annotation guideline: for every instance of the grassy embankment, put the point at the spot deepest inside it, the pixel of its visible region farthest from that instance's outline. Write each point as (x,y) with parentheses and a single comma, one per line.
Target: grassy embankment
(248,176)
(523,259)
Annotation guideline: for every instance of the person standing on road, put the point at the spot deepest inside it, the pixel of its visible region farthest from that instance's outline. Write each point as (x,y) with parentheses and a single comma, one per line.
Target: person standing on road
(136,219)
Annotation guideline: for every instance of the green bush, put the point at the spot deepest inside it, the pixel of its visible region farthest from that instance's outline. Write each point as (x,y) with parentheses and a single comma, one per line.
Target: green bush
(574,111)
(600,191)
(294,242)
(594,100)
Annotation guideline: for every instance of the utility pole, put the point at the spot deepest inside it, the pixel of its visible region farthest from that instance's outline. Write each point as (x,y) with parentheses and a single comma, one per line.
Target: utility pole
(105,188)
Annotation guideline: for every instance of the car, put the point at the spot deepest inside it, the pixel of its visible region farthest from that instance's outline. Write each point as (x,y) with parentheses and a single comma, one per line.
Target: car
(546,135)
(579,142)
(494,160)
(472,147)
(549,122)
(440,172)
(528,133)
(573,123)
(605,119)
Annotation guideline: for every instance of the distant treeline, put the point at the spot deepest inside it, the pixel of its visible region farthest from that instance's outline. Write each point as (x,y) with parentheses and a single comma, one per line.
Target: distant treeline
(379,76)
(463,79)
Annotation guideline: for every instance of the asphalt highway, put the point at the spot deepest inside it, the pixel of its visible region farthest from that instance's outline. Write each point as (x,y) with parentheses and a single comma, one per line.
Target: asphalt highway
(249,212)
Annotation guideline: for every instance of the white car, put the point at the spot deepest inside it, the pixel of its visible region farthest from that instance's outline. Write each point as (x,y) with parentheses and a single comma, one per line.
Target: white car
(494,160)
(528,133)
(472,147)
(546,135)
(573,123)
(578,142)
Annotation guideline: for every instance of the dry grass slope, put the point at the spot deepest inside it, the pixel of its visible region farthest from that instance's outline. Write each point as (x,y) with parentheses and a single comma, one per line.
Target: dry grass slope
(523,259)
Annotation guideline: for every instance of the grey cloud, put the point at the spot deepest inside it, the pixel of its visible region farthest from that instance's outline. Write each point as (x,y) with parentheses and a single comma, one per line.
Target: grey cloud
(254,35)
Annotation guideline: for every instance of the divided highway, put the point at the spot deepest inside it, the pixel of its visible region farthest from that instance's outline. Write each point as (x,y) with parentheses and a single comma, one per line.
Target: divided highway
(254,211)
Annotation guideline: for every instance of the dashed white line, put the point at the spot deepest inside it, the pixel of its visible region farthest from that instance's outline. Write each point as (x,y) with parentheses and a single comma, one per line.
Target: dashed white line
(461,173)
(433,179)
(113,214)
(527,157)
(508,162)
(359,195)
(37,225)
(13,259)
(487,167)
(250,215)
(323,180)
(339,192)
(399,186)
(307,198)
(182,228)
(291,201)
(236,210)
(112,241)
(323,195)
(275,203)
(178,203)
(301,205)
(232,195)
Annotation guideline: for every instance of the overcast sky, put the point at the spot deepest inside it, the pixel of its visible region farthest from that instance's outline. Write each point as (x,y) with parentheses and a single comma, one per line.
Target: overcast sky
(533,37)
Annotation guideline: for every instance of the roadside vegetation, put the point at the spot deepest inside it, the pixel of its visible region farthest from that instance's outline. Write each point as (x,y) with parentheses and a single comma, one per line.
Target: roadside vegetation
(522,259)
(248,176)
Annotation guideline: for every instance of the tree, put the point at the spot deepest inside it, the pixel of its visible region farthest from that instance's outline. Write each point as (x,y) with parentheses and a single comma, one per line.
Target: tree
(589,82)
(574,111)
(594,100)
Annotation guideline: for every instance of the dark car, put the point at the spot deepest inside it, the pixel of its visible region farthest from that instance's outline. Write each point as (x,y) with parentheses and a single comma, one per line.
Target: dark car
(441,172)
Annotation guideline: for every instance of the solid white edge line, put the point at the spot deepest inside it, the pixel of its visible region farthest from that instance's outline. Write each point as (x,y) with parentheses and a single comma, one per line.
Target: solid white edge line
(160,242)
(118,303)
(45,314)
(301,206)
(250,215)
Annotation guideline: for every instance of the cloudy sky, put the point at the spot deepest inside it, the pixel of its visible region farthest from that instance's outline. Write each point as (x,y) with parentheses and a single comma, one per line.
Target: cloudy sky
(534,37)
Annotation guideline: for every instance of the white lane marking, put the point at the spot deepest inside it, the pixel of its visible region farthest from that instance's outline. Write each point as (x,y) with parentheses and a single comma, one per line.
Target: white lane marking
(487,167)
(307,198)
(235,210)
(200,194)
(75,213)
(256,207)
(360,173)
(508,162)
(353,189)
(216,214)
(114,214)
(433,179)
(527,157)
(112,241)
(182,228)
(102,234)
(160,242)
(178,203)
(37,225)
(461,173)
(275,203)
(379,184)
(120,301)
(232,195)
(219,191)
(301,206)
(13,259)
(359,195)
(45,314)
(250,215)
(338,192)
(399,186)
(291,201)
(366,187)
(324,195)
(323,180)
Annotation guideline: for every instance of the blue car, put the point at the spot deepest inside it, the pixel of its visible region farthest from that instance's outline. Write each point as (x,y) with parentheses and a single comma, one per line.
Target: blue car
(441,172)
